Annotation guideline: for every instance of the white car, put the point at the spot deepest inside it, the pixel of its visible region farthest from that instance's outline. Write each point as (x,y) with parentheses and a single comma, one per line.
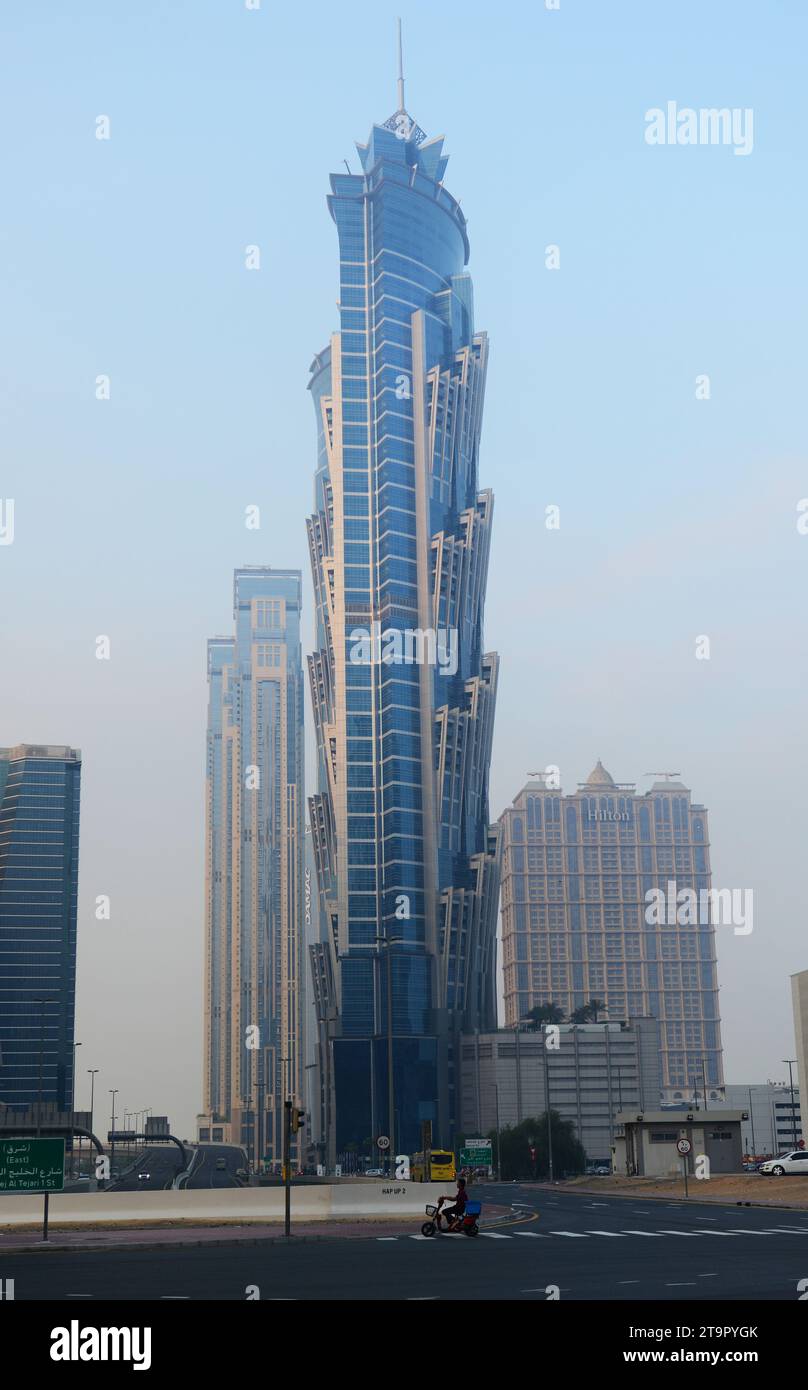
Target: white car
(794,1162)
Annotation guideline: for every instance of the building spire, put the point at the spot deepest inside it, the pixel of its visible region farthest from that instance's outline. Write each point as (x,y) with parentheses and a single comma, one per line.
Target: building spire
(401,106)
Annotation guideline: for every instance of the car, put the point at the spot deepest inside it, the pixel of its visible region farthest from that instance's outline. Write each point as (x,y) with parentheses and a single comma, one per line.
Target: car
(603,1172)
(143,1177)
(221,1163)
(242,1173)
(795,1161)
(374,1173)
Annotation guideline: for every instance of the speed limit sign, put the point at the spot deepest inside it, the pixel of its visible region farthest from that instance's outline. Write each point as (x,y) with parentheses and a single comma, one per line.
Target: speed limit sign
(683,1147)
(383,1142)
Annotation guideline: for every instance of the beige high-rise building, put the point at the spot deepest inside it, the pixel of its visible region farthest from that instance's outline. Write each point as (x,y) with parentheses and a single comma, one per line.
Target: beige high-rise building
(577,871)
(254,899)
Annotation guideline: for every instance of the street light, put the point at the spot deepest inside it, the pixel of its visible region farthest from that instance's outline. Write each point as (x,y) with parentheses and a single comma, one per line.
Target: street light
(47,999)
(389,941)
(92,1072)
(112,1141)
(73,1107)
(792,1062)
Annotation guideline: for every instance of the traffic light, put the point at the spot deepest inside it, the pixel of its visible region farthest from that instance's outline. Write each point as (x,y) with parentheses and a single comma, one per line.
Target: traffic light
(298,1120)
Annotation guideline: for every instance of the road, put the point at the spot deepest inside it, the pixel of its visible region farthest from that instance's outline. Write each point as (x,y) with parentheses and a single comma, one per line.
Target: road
(162,1162)
(205,1171)
(586,1247)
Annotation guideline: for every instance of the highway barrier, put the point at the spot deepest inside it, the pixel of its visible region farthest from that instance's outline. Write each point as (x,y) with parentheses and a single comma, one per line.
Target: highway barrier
(325,1202)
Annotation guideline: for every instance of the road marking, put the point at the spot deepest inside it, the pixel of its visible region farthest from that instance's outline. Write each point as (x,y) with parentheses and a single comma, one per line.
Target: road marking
(423,1298)
(186,1297)
(390,1237)
(682,1233)
(706,1218)
(599,1204)
(682,1284)
(793,1230)
(419,1237)
(628,1281)
(619,1234)
(495,1235)
(533,1235)
(748,1231)
(707,1276)
(79,1295)
(641,1211)
(574,1235)
(642,1233)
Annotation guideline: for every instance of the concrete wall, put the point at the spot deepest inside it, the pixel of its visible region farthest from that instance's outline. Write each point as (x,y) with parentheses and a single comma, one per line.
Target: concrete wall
(328,1201)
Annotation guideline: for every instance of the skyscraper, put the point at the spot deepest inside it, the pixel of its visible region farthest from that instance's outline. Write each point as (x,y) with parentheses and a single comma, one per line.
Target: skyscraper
(402,690)
(254,866)
(39,870)
(576,926)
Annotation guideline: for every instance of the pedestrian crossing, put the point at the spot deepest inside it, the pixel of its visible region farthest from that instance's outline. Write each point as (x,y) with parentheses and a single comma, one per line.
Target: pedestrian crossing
(624,1234)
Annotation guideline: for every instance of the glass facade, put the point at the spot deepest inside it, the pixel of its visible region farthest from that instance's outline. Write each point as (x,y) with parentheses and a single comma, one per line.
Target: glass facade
(399,542)
(576,871)
(254,1047)
(39,867)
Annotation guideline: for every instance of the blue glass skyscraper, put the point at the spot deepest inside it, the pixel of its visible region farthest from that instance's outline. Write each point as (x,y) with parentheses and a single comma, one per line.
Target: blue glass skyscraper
(39,870)
(402,689)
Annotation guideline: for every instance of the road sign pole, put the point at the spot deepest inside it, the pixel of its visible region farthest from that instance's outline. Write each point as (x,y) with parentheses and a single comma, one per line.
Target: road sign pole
(45,1218)
(684,1165)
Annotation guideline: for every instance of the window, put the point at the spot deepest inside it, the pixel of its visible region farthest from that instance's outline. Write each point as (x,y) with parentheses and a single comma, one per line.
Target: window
(268,653)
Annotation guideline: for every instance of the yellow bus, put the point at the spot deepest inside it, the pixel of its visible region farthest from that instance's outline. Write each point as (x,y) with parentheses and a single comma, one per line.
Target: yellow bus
(441,1167)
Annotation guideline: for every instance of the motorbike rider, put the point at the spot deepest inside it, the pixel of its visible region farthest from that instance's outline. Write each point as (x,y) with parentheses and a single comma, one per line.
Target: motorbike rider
(454,1214)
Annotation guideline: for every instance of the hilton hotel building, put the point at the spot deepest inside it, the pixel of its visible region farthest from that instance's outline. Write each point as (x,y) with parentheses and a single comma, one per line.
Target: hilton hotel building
(575,872)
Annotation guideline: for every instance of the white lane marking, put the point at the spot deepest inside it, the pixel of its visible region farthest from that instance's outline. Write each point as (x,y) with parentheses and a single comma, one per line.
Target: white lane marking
(534,1235)
(748,1231)
(574,1235)
(423,1298)
(495,1235)
(719,1233)
(682,1284)
(707,1276)
(628,1281)
(599,1204)
(643,1233)
(682,1233)
(619,1234)
(641,1211)
(706,1218)
(390,1237)
(793,1230)
(419,1237)
(184,1298)
(79,1295)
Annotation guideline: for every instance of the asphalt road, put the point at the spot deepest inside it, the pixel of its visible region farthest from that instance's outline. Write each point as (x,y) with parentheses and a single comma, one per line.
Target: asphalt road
(585,1247)
(205,1171)
(162,1162)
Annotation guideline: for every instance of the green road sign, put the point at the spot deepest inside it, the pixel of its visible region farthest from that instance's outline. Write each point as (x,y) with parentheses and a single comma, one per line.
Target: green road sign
(477,1157)
(32,1165)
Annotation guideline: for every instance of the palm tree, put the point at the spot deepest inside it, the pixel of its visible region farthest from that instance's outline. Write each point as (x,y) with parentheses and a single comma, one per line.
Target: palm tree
(597,1006)
(545,1013)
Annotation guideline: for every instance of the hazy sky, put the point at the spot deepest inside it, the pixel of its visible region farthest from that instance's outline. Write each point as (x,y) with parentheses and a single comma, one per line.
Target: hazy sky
(125,257)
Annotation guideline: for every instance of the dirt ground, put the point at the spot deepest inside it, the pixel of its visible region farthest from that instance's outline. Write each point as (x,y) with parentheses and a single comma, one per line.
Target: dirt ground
(747,1187)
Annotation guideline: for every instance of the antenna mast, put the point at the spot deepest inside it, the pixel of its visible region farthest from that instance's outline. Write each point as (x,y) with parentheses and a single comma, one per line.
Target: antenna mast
(401,106)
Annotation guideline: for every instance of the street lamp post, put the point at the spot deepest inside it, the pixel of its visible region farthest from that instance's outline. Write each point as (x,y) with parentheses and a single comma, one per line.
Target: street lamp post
(112,1141)
(547,1096)
(790,1062)
(73,1106)
(389,941)
(92,1072)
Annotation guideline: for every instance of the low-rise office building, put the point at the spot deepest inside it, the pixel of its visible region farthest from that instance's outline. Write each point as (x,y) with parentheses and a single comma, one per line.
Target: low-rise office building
(587,1072)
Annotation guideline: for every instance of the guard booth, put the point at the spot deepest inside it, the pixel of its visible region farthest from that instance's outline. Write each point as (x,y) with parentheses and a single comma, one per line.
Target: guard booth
(645,1142)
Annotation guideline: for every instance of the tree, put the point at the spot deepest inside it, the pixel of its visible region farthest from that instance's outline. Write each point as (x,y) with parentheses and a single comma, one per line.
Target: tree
(588,1013)
(517,1141)
(545,1013)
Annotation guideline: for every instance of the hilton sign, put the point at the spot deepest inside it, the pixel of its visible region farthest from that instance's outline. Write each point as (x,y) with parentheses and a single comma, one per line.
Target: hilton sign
(607,815)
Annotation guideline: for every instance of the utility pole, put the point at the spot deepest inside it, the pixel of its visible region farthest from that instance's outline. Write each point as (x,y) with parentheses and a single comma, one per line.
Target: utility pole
(112,1141)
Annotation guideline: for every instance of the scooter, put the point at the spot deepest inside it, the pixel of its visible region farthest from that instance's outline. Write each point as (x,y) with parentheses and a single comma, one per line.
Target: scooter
(467,1226)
